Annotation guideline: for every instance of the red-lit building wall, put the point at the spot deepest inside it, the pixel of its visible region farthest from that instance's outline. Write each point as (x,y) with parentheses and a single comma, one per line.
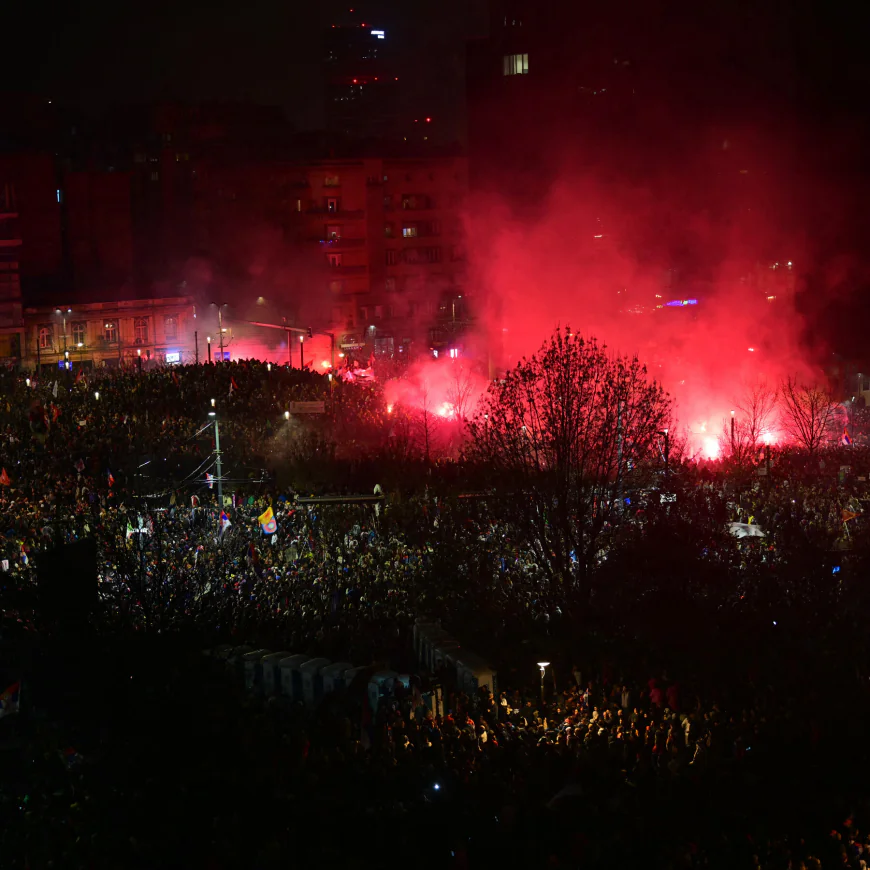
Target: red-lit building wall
(99,227)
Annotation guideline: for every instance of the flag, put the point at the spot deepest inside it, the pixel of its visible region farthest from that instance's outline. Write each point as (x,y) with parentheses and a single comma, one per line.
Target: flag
(4,478)
(110,479)
(846,439)
(848,515)
(4,564)
(80,376)
(55,413)
(10,699)
(209,480)
(54,390)
(233,385)
(267,522)
(252,554)
(129,531)
(224,521)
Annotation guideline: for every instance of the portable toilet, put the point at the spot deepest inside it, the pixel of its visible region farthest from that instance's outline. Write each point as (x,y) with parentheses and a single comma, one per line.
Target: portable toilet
(333,676)
(421,628)
(380,686)
(445,652)
(219,652)
(291,679)
(474,672)
(253,670)
(430,644)
(312,680)
(426,636)
(234,658)
(271,672)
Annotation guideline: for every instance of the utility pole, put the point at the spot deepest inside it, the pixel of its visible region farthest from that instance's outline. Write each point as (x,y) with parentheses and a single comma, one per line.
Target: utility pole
(221,327)
(196,346)
(219,469)
(301,351)
(732,432)
(618,461)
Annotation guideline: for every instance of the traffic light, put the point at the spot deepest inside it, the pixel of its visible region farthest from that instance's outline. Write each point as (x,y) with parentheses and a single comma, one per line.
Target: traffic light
(310,333)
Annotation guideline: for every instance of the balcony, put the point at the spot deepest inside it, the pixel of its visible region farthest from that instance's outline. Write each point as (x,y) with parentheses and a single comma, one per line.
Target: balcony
(339,243)
(353,214)
(348,270)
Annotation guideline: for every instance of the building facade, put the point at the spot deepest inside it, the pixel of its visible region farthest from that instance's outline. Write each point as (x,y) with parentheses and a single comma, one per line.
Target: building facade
(389,237)
(11,320)
(112,334)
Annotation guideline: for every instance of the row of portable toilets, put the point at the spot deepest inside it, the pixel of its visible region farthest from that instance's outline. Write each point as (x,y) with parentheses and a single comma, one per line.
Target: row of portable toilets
(435,648)
(301,678)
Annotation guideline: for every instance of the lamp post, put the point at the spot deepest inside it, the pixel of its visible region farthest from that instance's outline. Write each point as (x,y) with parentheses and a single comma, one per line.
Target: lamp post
(220,309)
(217,457)
(301,351)
(139,359)
(732,431)
(664,434)
(208,341)
(543,668)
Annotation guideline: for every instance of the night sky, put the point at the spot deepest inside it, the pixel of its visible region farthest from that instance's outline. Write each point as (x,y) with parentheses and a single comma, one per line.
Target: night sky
(92,54)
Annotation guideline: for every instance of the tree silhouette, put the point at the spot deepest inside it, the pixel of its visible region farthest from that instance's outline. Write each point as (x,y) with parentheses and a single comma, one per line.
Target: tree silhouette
(570,430)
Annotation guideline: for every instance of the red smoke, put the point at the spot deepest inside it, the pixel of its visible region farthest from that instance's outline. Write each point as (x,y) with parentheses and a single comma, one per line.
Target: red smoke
(590,259)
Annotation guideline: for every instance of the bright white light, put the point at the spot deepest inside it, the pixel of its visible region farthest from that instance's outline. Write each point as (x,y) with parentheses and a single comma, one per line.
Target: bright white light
(711,448)
(752,350)
(286,415)
(325,364)
(379,33)
(389,409)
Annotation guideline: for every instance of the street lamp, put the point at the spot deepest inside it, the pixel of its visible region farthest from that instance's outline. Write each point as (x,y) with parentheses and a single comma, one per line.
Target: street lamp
(208,340)
(301,351)
(220,308)
(664,434)
(543,667)
(268,367)
(732,431)
(286,415)
(212,403)
(97,395)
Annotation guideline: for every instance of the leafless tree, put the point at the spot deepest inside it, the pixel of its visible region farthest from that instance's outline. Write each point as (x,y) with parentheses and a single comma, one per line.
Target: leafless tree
(568,428)
(755,415)
(806,413)
(460,390)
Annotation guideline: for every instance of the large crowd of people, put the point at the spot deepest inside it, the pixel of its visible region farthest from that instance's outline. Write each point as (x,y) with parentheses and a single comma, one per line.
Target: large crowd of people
(608,762)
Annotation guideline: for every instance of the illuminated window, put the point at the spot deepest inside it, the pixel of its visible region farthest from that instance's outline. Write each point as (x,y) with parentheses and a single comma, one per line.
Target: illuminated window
(332,205)
(170,326)
(515,64)
(334,259)
(336,286)
(45,337)
(79,333)
(298,205)
(110,332)
(140,330)
(331,181)
(333,232)
(409,232)
(155,176)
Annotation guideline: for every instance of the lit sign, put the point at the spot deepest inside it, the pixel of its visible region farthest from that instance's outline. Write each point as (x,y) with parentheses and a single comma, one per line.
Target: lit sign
(173,357)
(379,33)
(680,302)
